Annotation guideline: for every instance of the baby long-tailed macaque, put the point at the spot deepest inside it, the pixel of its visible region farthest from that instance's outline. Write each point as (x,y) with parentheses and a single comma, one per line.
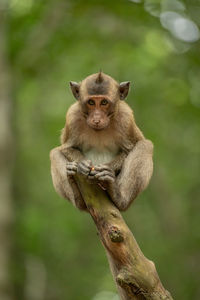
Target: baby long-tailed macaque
(102,142)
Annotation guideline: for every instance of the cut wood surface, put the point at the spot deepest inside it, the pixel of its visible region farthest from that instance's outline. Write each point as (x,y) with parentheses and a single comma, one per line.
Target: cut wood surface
(135,275)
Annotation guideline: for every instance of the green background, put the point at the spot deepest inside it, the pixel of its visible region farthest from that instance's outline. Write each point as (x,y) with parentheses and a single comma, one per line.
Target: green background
(56,253)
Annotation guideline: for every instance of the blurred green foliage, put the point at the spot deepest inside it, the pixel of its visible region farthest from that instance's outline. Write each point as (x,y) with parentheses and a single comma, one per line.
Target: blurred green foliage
(57,253)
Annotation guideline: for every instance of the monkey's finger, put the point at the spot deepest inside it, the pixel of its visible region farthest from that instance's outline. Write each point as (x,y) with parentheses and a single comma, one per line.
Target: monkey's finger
(107,178)
(72,163)
(71,167)
(83,170)
(71,170)
(83,167)
(70,173)
(86,163)
(104,173)
(102,168)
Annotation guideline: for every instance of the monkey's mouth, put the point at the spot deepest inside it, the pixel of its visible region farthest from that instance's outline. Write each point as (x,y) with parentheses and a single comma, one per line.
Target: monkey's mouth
(97,127)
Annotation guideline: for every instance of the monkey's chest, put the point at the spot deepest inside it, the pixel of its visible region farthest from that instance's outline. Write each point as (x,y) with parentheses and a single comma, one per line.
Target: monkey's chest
(100,157)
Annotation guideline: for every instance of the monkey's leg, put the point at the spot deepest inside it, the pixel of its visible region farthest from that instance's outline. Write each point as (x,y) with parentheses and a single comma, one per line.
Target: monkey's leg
(133,178)
(62,172)
(135,174)
(117,163)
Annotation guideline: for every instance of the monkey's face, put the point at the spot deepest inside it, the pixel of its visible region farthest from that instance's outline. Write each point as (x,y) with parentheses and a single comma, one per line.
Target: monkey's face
(98,95)
(98,110)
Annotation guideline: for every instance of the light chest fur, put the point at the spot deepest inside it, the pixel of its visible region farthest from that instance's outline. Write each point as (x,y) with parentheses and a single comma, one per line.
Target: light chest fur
(99,157)
(101,146)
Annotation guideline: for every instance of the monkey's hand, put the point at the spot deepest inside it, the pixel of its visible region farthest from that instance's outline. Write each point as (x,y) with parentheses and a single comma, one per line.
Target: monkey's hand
(104,174)
(84,167)
(71,168)
(106,179)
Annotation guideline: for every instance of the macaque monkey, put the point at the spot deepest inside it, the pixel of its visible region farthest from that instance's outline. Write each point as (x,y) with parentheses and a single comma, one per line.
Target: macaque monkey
(102,142)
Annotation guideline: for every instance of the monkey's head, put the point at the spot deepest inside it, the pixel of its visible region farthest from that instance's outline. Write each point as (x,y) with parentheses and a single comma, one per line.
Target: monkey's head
(98,95)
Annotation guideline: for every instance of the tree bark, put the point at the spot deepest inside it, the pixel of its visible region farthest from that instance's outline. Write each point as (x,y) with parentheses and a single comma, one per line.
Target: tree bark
(135,275)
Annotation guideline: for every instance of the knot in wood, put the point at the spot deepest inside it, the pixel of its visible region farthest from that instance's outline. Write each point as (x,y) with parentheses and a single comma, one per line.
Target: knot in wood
(114,214)
(115,234)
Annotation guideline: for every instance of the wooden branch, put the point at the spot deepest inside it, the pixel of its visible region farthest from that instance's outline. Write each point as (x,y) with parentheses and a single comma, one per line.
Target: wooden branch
(135,276)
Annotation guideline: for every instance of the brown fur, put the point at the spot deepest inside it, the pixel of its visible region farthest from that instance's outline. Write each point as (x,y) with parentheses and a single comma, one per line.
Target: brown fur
(121,138)
(122,129)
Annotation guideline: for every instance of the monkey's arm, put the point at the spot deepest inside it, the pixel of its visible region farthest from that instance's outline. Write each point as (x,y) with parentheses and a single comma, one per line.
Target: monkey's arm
(61,166)
(72,154)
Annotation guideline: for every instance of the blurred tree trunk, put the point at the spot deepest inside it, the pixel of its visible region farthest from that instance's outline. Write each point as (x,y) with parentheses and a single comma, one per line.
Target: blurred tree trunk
(6,162)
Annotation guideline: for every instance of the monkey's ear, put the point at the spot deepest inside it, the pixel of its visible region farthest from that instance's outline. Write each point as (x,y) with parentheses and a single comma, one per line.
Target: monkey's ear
(75,87)
(124,89)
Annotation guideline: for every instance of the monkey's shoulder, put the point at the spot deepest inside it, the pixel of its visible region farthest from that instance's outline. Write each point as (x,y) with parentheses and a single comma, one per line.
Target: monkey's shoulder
(125,115)
(124,120)
(72,118)
(125,108)
(127,128)
(75,121)
(73,113)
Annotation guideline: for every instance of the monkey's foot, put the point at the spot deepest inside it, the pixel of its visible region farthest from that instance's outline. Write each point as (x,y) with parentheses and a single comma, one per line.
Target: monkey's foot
(71,168)
(103,173)
(84,167)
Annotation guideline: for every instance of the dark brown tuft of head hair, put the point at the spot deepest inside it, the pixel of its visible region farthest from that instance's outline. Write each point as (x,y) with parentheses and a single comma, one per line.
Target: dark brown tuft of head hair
(99,78)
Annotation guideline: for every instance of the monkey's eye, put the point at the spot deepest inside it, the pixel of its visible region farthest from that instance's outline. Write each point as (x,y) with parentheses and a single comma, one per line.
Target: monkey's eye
(104,102)
(91,102)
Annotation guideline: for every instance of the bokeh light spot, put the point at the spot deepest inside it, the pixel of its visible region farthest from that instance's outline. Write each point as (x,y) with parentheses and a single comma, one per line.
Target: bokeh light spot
(136,1)
(181,27)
